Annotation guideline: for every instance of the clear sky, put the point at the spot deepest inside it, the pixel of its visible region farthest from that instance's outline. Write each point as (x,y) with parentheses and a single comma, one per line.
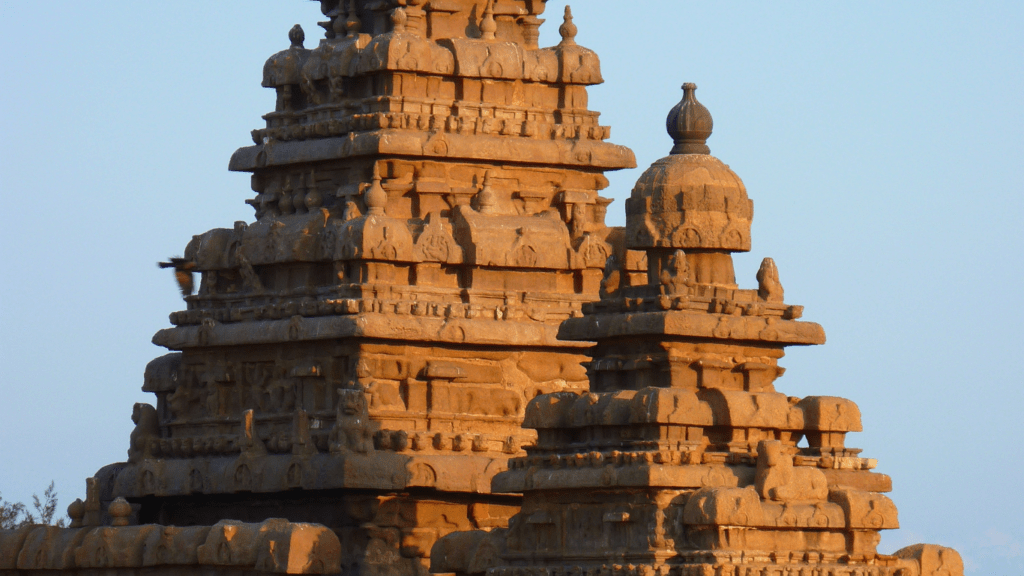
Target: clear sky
(881,142)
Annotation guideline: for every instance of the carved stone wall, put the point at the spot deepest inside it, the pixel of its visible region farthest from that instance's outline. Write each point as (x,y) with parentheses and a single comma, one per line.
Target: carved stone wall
(360,356)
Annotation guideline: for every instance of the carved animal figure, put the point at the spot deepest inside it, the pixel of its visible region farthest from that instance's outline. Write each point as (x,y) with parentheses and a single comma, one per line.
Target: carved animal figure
(777,478)
(612,277)
(768,285)
(352,427)
(147,427)
(351,211)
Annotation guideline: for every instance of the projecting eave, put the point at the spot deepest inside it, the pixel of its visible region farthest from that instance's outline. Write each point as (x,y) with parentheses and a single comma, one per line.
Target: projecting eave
(584,154)
(687,324)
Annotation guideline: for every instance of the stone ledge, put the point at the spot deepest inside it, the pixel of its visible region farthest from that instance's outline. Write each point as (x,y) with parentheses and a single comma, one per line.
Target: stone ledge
(275,546)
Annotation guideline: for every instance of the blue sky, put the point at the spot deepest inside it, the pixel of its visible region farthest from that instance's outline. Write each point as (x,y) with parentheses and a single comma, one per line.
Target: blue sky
(881,143)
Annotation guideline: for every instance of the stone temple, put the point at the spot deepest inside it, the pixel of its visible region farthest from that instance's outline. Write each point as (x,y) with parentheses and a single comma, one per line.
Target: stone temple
(427,352)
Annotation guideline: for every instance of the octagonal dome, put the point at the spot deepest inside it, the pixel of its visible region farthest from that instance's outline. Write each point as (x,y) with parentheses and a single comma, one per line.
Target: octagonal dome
(689,200)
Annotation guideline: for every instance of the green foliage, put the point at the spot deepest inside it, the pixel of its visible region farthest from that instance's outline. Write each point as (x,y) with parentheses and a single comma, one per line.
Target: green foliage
(15,514)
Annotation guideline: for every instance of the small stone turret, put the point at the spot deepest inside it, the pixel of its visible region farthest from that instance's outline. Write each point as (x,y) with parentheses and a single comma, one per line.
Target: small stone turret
(690,201)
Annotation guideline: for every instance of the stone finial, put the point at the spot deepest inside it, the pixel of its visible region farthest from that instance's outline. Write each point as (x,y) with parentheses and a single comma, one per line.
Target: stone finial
(689,124)
(375,196)
(487,25)
(119,511)
(314,199)
(352,22)
(567,30)
(338,18)
(487,200)
(399,19)
(297,36)
(76,511)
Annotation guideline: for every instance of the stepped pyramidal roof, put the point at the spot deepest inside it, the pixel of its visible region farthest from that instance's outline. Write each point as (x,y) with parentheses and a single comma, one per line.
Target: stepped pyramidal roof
(427,350)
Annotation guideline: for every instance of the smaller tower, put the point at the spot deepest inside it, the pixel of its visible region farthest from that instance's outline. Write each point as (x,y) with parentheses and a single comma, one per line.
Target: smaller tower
(683,459)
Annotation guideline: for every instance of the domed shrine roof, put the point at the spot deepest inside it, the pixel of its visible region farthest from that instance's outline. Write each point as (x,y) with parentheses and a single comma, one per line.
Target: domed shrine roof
(689,199)
(285,67)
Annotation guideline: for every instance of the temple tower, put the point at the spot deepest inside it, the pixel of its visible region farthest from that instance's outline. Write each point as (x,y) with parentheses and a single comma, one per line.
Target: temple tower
(427,213)
(428,270)
(683,458)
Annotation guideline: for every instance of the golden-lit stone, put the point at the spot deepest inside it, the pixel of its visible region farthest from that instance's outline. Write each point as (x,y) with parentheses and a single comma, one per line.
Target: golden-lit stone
(428,349)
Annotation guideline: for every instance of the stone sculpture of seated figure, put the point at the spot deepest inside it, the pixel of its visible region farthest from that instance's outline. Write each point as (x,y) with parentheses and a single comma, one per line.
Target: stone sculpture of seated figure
(353,431)
(777,479)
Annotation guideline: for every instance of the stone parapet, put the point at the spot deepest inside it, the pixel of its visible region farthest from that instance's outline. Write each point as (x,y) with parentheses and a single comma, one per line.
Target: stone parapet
(274,546)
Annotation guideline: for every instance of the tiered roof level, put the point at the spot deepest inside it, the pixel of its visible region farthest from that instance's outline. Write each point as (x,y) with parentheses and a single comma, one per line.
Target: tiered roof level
(427,212)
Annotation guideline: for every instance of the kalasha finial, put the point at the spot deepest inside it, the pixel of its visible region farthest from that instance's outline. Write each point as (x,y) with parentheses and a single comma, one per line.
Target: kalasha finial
(119,511)
(76,511)
(376,198)
(689,124)
(352,22)
(567,30)
(338,17)
(399,19)
(297,36)
(488,26)
(488,201)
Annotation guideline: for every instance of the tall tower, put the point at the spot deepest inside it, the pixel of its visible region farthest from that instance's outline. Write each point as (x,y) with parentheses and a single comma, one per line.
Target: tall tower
(429,265)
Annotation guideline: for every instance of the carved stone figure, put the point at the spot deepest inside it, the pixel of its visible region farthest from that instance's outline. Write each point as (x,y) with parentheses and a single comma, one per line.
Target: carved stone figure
(352,427)
(147,429)
(768,286)
(676,278)
(778,479)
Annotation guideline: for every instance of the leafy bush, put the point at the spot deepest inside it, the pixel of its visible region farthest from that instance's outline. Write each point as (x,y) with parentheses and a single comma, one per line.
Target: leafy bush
(15,514)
